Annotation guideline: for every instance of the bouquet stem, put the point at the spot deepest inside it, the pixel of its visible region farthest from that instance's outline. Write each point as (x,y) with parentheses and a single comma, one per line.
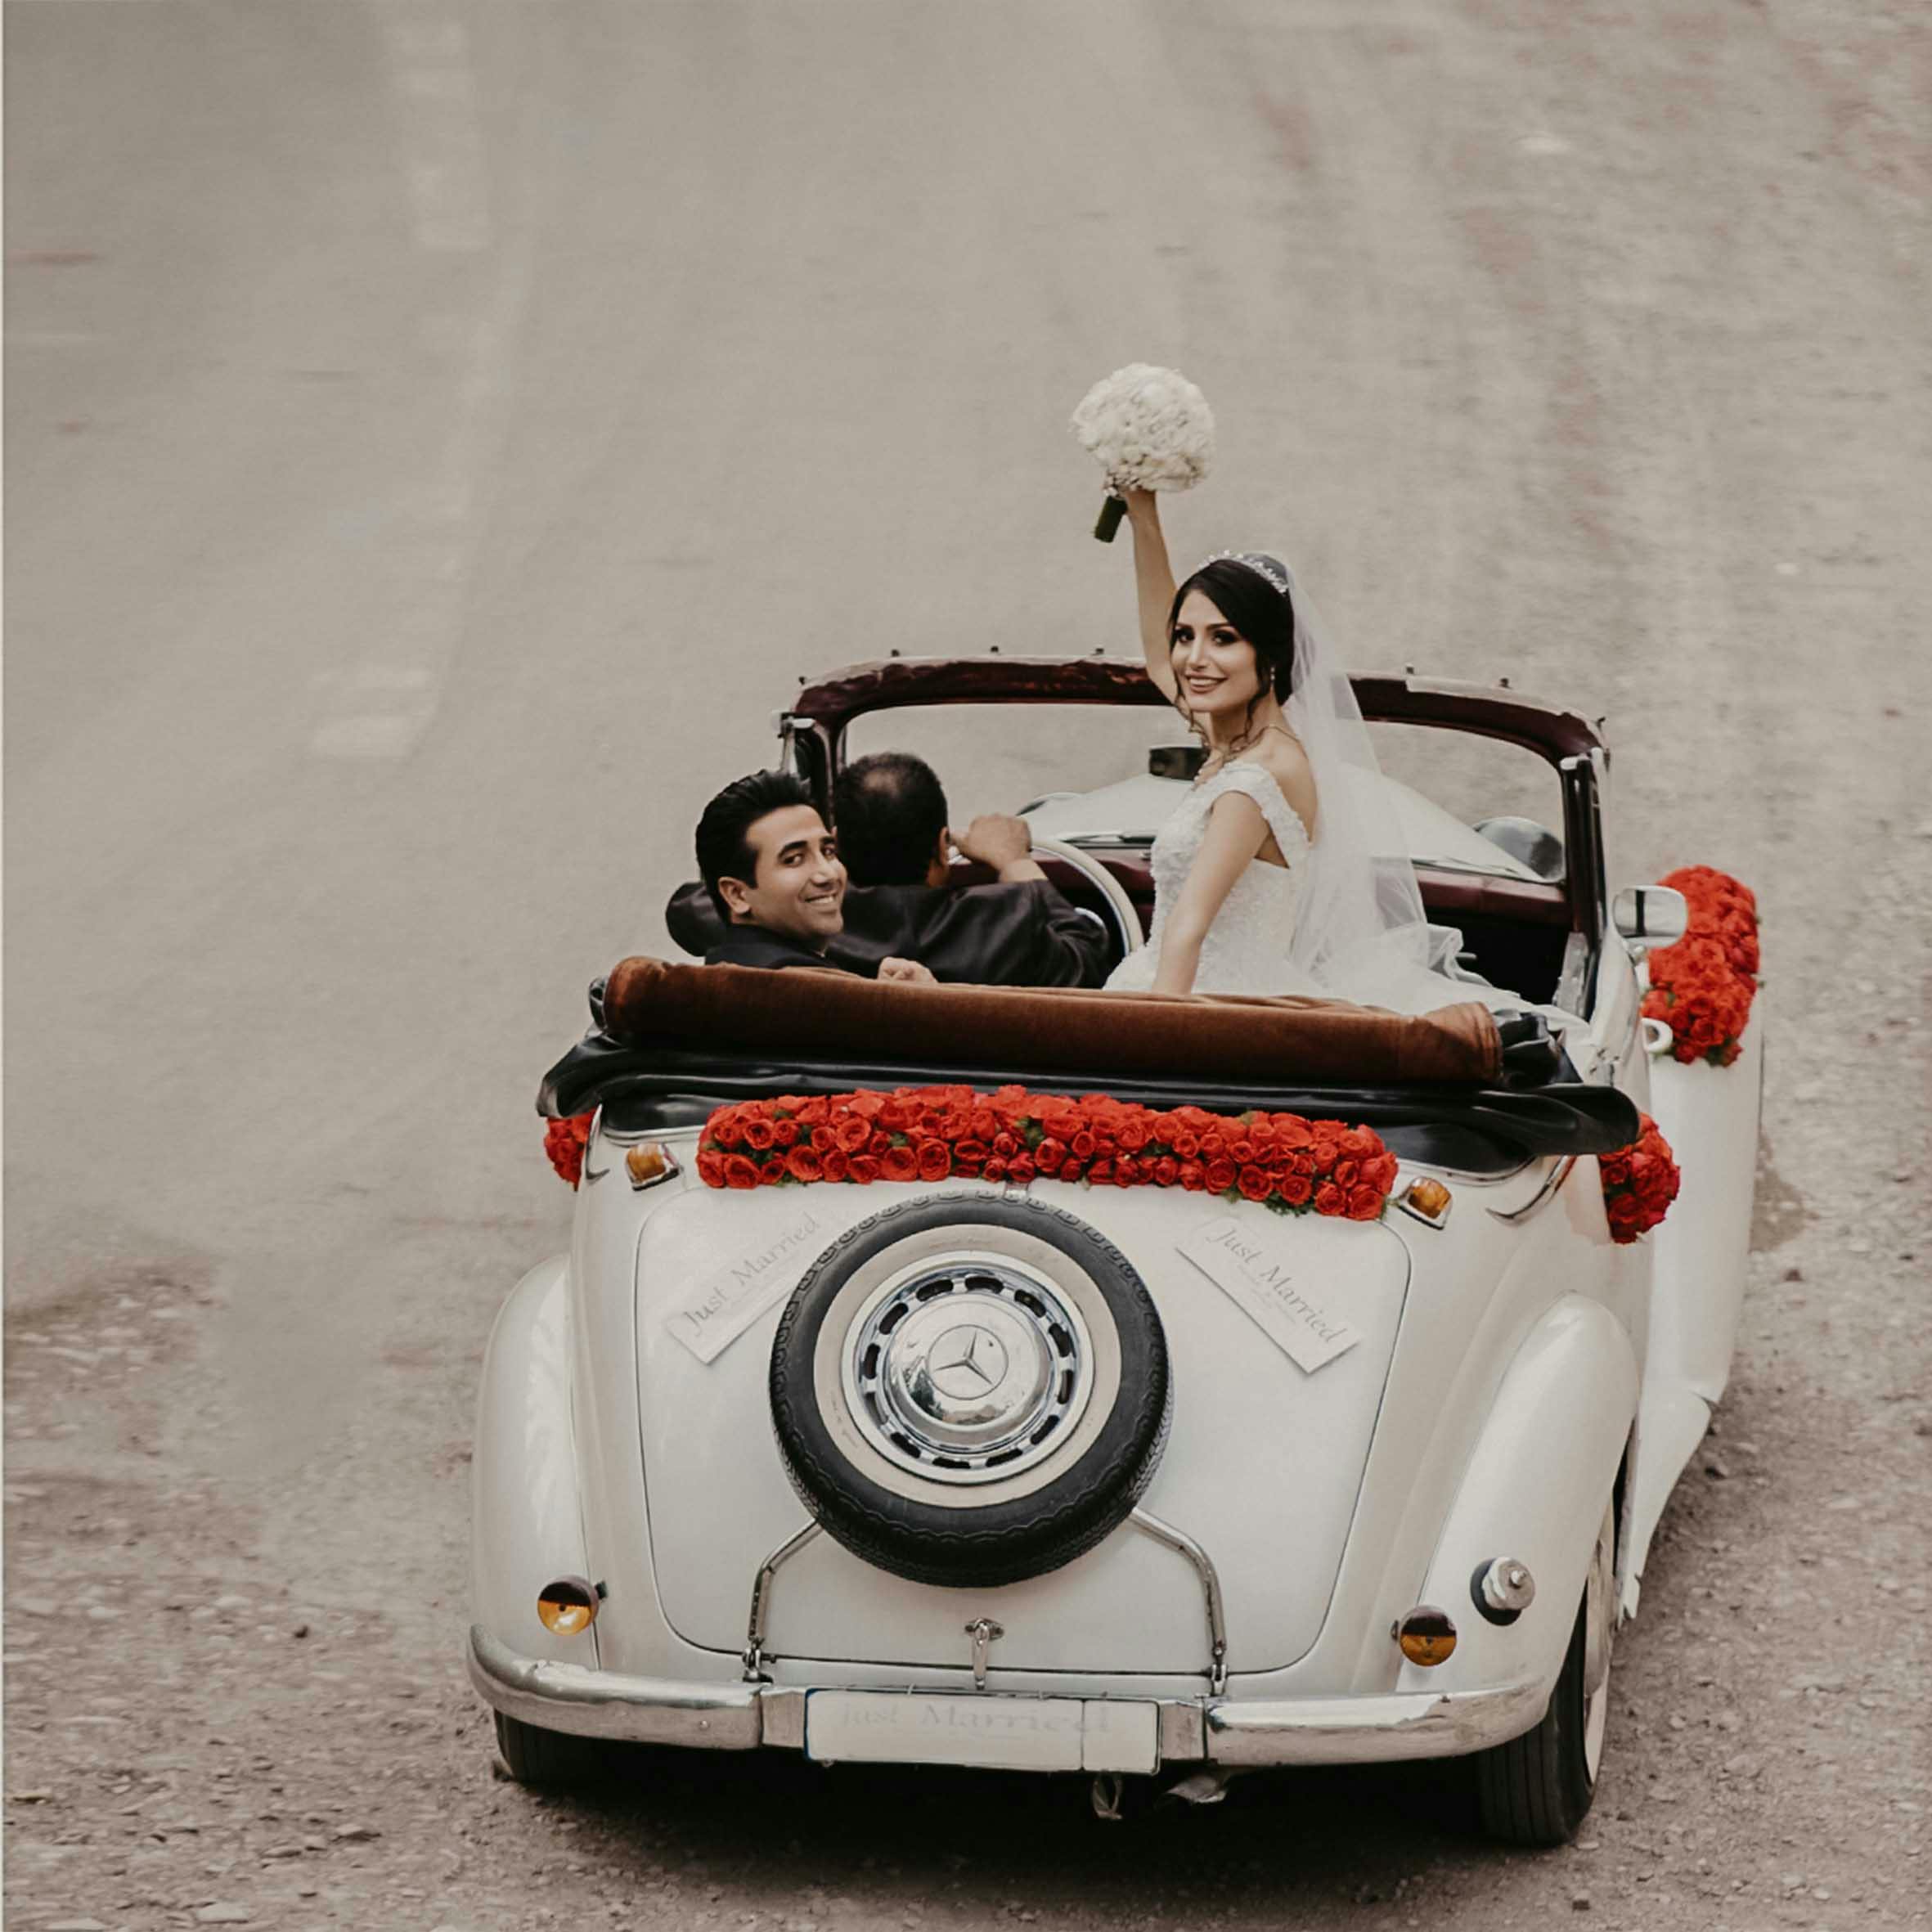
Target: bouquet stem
(1111,513)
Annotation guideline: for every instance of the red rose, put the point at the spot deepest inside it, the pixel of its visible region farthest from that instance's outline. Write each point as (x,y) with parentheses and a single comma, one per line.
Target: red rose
(1185,1144)
(935,1161)
(759,1133)
(1193,1176)
(863,1168)
(972,1153)
(1005,1146)
(802,1164)
(771,1173)
(1626,1216)
(1020,1170)
(1082,1144)
(784,1132)
(739,1172)
(1296,1189)
(1166,1171)
(899,1163)
(1099,1174)
(711,1168)
(836,1165)
(1220,1175)
(852,1131)
(868,1105)
(1255,1183)
(1364,1204)
(1133,1135)
(1347,1173)
(994,1169)
(1329,1199)
(877,1141)
(1049,1154)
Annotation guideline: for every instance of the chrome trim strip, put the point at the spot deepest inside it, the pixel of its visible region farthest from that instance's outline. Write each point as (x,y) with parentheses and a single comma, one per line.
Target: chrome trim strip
(1210,1586)
(754,1635)
(587,1703)
(1368,1730)
(1552,1181)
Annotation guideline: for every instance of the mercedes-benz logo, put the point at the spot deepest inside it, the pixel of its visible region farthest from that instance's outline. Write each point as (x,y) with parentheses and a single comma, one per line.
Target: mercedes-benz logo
(966,1361)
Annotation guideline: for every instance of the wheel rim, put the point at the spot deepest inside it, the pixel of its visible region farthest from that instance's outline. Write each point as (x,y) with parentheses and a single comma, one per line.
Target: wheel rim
(1600,1621)
(968,1370)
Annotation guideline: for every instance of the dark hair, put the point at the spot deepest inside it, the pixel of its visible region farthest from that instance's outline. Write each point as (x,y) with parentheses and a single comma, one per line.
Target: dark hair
(891,809)
(724,842)
(1263,613)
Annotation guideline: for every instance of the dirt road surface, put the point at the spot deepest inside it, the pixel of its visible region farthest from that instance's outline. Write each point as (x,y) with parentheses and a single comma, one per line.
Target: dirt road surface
(438,437)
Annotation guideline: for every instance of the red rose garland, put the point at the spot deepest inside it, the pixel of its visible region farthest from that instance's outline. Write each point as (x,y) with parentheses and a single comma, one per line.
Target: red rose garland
(1639,1182)
(1702,987)
(564,1142)
(1290,1165)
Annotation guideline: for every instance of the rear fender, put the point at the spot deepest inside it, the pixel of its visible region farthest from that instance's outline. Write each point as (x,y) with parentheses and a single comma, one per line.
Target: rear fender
(1534,1489)
(527,1521)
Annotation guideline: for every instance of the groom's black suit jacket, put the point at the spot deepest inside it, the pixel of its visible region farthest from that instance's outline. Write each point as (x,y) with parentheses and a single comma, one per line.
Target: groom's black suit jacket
(1023,934)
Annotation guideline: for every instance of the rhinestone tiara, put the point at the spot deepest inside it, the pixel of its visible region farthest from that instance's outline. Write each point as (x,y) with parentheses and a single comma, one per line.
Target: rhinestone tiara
(1276,573)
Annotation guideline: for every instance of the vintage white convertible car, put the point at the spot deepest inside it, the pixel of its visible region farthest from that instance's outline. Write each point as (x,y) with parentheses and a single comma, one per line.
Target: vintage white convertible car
(1140,1483)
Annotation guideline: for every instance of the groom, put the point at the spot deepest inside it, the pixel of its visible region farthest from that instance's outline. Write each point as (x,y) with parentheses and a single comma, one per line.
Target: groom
(773,874)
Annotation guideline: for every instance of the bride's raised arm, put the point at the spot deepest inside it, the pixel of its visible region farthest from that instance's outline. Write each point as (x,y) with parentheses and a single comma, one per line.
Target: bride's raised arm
(1153,583)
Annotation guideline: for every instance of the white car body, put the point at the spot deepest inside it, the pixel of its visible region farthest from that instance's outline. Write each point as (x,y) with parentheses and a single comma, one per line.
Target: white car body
(1515,1374)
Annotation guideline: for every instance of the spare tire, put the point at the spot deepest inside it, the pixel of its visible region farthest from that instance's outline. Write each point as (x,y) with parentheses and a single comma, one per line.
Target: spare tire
(970,1391)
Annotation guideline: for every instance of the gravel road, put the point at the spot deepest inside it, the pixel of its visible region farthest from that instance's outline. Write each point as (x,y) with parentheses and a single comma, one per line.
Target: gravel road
(438,437)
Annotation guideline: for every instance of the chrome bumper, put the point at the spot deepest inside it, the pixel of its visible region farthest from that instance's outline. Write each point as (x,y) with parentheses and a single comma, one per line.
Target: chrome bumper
(739,1717)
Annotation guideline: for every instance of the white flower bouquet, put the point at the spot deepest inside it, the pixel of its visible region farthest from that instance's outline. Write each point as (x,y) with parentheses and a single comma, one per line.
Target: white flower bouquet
(1148,429)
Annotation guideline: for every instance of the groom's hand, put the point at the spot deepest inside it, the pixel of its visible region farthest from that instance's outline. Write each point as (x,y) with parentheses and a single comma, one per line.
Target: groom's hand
(907,972)
(1002,842)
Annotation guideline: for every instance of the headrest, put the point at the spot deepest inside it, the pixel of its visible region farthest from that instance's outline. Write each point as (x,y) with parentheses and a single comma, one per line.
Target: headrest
(1046,1029)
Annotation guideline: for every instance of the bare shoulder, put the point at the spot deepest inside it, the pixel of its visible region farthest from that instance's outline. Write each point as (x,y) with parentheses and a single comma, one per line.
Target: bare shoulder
(1283,758)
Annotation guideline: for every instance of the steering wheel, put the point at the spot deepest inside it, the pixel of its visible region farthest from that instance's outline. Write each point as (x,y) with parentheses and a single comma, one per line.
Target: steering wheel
(1125,918)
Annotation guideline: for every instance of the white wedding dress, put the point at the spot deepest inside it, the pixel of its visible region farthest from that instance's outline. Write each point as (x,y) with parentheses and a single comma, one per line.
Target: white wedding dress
(1247,947)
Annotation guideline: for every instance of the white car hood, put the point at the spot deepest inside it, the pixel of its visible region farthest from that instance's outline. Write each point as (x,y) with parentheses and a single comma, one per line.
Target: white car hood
(1262,1467)
(1137,808)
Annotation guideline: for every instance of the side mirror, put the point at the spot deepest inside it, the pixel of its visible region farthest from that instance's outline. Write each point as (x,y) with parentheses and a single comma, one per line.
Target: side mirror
(1649,916)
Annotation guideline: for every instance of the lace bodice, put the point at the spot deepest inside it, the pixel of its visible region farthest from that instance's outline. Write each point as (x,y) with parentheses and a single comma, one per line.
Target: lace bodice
(1247,947)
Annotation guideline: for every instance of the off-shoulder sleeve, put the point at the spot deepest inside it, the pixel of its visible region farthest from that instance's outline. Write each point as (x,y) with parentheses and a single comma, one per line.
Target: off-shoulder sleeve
(1283,820)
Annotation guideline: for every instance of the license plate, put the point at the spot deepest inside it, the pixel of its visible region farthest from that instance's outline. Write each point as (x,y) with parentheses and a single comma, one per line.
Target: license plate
(998,1732)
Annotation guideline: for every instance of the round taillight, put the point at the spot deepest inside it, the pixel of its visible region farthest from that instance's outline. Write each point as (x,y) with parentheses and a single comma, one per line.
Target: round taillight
(1426,1637)
(568,1605)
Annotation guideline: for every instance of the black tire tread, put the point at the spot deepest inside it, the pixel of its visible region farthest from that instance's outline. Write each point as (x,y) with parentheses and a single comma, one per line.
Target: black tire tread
(1535,1790)
(541,1758)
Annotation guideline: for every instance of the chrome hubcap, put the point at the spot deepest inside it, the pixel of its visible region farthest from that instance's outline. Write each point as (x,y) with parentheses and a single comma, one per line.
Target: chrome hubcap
(967,1370)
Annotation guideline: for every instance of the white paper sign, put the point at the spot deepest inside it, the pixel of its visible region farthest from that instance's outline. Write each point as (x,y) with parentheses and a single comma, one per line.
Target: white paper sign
(733,1299)
(1257,1278)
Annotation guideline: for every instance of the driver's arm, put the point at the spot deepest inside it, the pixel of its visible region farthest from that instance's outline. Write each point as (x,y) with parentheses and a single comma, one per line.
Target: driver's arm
(1002,842)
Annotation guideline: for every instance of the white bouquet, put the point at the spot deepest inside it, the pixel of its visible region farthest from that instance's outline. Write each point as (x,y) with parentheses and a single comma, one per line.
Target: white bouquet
(1148,429)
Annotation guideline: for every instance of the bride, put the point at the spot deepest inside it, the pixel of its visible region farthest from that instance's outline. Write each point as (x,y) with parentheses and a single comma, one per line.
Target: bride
(1284,870)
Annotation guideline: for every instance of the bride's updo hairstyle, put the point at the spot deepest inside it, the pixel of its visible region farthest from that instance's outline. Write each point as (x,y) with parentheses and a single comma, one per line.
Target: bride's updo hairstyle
(1254,596)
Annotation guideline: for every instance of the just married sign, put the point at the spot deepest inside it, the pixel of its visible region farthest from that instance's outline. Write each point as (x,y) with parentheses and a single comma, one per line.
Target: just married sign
(725,1305)
(1256,1276)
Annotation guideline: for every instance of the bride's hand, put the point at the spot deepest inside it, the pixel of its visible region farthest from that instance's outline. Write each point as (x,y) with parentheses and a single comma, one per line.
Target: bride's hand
(1140,503)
